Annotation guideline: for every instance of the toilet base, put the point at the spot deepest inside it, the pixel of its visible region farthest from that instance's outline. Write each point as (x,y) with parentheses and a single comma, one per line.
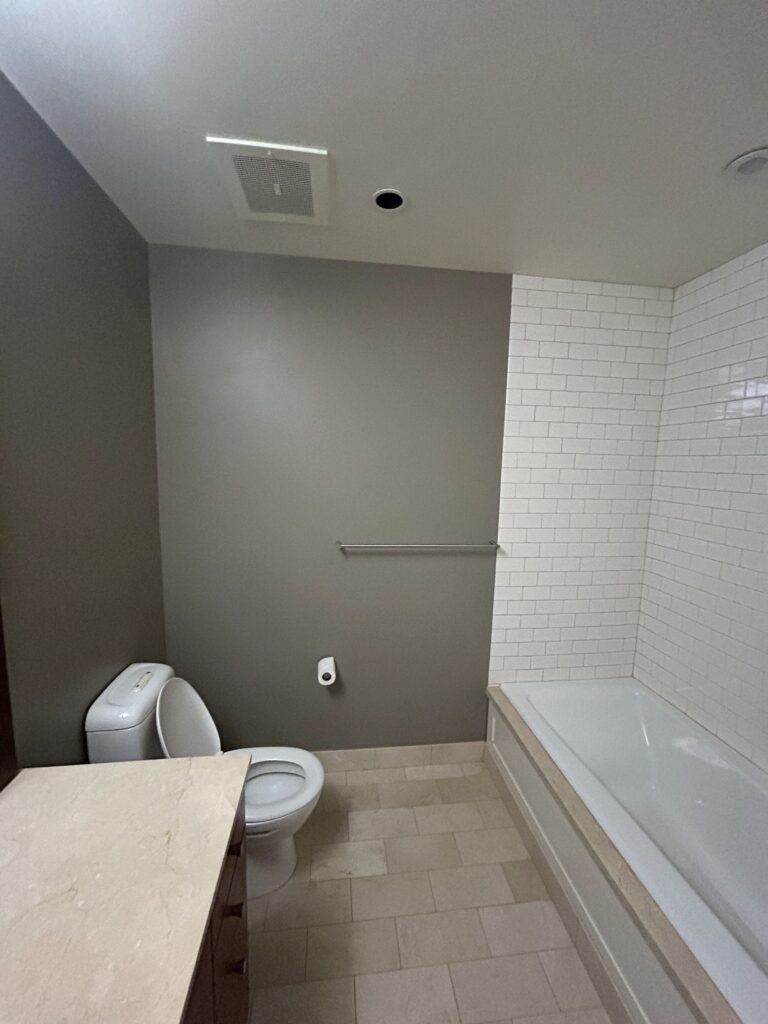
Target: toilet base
(269,863)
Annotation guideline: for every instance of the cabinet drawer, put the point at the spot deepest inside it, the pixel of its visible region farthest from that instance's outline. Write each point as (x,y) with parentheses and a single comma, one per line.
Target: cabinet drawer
(230,971)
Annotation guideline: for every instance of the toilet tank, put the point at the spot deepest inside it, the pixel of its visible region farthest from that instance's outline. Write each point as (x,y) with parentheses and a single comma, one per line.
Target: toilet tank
(120,724)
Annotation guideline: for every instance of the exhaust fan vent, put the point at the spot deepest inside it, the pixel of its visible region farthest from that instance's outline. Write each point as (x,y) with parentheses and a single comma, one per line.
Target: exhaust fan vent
(267,181)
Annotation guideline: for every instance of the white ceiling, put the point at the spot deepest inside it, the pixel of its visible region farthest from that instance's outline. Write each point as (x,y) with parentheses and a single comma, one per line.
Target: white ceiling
(574,138)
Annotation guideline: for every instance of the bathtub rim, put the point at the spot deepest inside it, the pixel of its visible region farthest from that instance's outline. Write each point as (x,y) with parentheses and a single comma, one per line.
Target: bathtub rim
(691,979)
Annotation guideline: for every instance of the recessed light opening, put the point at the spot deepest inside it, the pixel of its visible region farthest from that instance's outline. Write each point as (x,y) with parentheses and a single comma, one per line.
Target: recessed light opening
(388,199)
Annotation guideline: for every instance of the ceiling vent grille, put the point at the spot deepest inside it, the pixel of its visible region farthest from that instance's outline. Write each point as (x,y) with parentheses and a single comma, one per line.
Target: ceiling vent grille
(266,181)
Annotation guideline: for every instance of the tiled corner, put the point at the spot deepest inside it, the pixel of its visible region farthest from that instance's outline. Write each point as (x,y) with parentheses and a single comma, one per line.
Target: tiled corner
(584,391)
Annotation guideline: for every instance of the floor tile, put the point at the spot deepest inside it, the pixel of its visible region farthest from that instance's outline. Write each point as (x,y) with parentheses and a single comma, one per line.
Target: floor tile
(452,753)
(523,928)
(361,947)
(349,798)
(494,814)
(468,787)
(299,904)
(391,895)
(448,818)
(482,885)
(277,958)
(474,768)
(448,937)
(410,794)
(348,860)
(358,778)
(421,853)
(401,757)
(491,846)
(569,981)
(257,911)
(422,995)
(569,1017)
(314,1002)
(345,760)
(434,771)
(331,827)
(524,881)
(487,990)
(382,824)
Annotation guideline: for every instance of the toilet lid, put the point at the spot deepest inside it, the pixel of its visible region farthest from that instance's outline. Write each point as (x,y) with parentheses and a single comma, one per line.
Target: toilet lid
(184,723)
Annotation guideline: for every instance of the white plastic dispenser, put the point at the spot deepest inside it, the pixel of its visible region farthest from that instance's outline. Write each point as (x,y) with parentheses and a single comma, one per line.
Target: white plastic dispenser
(326,671)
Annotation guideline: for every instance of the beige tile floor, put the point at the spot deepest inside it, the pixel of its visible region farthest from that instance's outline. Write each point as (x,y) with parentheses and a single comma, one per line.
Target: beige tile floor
(413,902)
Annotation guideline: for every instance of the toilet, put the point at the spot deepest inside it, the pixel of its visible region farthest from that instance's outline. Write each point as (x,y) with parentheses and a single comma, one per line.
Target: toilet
(147,712)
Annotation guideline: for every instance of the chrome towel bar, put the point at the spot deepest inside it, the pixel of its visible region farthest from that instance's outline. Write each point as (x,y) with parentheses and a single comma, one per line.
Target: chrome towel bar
(490,545)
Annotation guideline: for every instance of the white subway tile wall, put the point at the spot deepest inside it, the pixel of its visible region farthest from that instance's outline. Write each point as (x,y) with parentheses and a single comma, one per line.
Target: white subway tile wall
(584,387)
(703,630)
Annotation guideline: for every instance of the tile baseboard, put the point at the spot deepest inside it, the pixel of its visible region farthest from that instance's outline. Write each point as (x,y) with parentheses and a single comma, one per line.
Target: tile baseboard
(369,758)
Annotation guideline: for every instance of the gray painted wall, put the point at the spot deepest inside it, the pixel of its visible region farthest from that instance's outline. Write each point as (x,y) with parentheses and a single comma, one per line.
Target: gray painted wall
(304,401)
(80,559)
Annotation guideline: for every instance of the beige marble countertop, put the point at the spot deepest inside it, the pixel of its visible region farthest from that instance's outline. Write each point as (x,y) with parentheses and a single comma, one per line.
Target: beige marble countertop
(107,876)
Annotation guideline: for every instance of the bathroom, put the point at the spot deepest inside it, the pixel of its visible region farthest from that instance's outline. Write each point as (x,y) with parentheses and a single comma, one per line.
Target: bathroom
(385,404)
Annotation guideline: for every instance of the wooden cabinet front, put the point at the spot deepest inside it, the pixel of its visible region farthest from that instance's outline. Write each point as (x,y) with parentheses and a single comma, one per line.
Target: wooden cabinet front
(220,991)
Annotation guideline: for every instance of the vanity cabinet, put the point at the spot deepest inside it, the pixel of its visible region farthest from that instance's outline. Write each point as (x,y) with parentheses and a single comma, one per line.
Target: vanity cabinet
(220,989)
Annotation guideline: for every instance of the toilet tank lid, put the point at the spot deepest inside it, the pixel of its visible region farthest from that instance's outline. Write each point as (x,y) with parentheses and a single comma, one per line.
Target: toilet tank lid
(129,699)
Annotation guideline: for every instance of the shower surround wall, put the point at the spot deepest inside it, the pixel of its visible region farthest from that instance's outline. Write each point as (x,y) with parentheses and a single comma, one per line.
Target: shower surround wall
(703,633)
(584,386)
(634,495)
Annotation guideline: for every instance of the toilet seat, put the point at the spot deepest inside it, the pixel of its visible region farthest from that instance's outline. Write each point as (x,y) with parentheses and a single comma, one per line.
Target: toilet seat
(281,781)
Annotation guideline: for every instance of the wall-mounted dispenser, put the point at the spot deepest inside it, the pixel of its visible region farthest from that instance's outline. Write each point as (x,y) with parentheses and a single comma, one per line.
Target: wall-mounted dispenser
(326,671)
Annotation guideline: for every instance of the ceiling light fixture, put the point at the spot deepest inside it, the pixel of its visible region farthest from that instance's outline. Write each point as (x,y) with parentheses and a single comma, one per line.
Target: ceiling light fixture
(228,141)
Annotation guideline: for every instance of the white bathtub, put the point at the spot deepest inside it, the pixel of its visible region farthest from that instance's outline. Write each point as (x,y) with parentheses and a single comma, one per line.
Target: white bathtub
(688,813)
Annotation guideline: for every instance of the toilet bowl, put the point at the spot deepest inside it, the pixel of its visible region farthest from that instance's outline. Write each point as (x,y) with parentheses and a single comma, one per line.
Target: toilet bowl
(147,712)
(282,786)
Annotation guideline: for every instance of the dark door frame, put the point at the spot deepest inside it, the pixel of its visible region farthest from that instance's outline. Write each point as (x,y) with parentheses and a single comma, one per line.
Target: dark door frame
(7,745)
